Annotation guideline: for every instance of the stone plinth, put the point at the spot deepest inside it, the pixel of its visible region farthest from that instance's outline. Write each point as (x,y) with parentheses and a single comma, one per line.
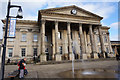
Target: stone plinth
(71,56)
(95,56)
(88,56)
(58,57)
(43,58)
(84,56)
(111,55)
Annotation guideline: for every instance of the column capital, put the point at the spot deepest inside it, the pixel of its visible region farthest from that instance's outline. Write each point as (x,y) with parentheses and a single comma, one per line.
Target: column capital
(90,25)
(68,23)
(80,24)
(43,21)
(56,21)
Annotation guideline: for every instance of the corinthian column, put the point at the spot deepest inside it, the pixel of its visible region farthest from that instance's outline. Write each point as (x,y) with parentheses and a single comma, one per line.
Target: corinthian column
(58,55)
(81,40)
(43,55)
(110,47)
(109,44)
(92,41)
(101,42)
(69,41)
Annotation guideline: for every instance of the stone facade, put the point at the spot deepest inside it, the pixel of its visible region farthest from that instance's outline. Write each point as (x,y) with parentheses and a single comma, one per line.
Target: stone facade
(0,49)
(58,33)
(0,44)
(116,47)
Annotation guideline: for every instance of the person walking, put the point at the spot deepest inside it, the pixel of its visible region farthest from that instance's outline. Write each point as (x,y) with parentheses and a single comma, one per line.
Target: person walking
(21,68)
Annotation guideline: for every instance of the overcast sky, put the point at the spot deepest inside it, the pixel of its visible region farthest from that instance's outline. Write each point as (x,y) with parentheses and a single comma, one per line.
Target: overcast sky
(108,9)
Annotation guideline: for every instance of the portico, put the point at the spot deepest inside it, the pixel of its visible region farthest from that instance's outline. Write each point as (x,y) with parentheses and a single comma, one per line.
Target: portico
(83,34)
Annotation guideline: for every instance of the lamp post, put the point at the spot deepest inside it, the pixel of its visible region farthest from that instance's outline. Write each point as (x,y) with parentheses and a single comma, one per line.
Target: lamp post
(19,15)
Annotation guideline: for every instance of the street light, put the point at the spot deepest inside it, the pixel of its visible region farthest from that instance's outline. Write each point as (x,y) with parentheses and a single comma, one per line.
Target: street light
(19,15)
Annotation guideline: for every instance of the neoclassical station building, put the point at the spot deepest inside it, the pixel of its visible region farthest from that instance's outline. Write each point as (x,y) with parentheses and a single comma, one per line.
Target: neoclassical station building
(58,34)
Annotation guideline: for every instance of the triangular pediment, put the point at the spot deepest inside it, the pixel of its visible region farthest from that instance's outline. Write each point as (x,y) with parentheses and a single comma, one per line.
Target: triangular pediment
(67,11)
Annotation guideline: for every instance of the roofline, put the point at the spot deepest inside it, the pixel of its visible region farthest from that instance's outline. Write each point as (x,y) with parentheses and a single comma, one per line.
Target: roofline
(105,27)
(22,21)
(71,6)
(114,41)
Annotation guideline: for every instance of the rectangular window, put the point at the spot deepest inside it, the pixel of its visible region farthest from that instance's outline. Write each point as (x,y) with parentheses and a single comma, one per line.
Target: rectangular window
(105,39)
(46,50)
(113,50)
(98,39)
(60,35)
(23,37)
(46,38)
(35,37)
(71,35)
(100,49)
(80,49)
(10,39)
(79,35)
(34,51)
(60,49)
(10,52)
(23,51)
(107,50)
(73,49)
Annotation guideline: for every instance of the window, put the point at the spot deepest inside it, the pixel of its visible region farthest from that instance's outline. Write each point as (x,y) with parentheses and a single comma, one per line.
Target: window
(105,38)
(71,36)
(23,51)
(35,37)
(100,49)
(46,38)
(80,49)
(107,50)
(46,50)
(23,37)
(10,52)
(34,51)
(113,50)
(98,39)
(79,35)
(10,39)
(60,49)
(60,35)
(73,49)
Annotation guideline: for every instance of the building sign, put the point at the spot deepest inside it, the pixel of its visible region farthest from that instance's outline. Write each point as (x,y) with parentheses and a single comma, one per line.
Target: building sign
(12,27)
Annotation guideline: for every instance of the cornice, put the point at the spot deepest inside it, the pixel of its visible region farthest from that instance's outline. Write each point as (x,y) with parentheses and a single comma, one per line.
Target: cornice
(105,27)
(69,15)
(22,22)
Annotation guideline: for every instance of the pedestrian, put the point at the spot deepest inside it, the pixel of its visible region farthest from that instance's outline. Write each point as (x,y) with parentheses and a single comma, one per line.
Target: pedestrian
(117,57)
(8,61)
(21,68)
(99,55)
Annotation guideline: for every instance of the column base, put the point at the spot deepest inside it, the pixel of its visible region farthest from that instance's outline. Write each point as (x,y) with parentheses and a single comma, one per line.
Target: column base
(71,56)
(88,56)
(84,56)
(78,56)
(58,57)
(65,56)
(104,55)
(95,56)
(43,58)
(112,55)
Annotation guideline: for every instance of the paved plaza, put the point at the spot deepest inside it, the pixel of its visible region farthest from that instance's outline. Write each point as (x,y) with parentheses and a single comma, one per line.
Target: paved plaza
(53,70)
